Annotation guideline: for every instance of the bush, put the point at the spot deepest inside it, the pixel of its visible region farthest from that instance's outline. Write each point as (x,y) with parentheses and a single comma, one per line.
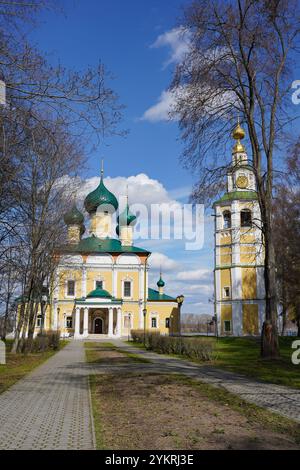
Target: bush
(195,348)
(45,341)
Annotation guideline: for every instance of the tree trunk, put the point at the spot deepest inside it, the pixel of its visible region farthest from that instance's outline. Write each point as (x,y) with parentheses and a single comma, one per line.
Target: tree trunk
(269,334)
(283,319)
(31,326)
(19,325)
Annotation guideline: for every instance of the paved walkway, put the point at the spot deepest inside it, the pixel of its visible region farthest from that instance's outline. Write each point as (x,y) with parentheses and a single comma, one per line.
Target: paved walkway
(50,407)
(277,398)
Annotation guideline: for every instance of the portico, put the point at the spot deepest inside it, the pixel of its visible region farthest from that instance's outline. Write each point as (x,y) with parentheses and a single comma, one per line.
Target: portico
(98,313)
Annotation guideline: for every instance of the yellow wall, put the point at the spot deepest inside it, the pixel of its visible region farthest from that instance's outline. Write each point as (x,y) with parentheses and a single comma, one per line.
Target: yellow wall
(225,240)
(163,311)
(93,276)
(133,309)
(225,255)
(250,319)
(132,275)
(248,283)
(226,314)
(225,279)
(70,274)
(248,254)
(247,237)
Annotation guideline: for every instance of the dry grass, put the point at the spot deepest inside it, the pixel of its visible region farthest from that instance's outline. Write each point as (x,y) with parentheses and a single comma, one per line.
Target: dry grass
(18,365)
(107,353)
(140,411)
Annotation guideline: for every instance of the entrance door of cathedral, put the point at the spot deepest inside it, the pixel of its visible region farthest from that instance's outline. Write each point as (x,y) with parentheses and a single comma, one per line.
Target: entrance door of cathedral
(98,326)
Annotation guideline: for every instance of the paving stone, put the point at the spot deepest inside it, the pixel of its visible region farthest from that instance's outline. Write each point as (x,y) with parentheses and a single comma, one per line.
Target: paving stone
(50,407)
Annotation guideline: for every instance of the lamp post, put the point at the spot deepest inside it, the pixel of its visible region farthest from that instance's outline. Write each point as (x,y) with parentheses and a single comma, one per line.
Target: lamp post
(215,320)
(144,314)
(179,300)
(129,325)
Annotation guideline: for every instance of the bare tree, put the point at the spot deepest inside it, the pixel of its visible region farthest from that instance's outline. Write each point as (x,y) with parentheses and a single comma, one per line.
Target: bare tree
(51,120)
(240,55)
(286,214)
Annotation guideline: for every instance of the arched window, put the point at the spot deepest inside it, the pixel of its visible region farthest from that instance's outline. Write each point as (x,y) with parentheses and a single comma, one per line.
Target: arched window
(226,219)
(246,218)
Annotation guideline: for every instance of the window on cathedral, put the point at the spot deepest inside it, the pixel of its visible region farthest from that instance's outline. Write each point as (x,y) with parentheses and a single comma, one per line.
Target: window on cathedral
(226,219)
(153,322)
(167,322)
(99,284)
(127,288)
(71,288)
(39,321)
(246,218)
(227,326)
(69,322)
(226,292)
(127,321)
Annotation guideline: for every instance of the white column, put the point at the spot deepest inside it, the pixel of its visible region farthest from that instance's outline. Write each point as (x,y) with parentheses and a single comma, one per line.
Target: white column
(77,323)
(114,281)
(141,282)
(83,286)
(141,316)
(119,320)
(237,318)
(86,322)
(110,321)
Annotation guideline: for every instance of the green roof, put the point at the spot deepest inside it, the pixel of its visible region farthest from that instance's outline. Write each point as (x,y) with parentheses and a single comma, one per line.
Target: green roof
(100,196)
(154,295)
(98,292)
(235,195)
(94,244)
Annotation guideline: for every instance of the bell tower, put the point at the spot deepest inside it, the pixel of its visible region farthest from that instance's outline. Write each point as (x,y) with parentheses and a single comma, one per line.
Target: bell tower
(239,256)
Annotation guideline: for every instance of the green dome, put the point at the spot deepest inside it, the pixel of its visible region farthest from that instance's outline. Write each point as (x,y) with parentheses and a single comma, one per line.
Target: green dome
(82,229)
(101,196)
(73,217)
(160,282)
(125,219)
(96,293)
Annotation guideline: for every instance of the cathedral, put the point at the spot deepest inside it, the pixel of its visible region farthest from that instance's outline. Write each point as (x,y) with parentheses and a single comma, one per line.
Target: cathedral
(239,254)
(100,286)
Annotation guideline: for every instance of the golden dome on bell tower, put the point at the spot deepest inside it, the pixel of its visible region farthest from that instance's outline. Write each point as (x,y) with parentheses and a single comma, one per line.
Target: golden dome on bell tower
(238,134)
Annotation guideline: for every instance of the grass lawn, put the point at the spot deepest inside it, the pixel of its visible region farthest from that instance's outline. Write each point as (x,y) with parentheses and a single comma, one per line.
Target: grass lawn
(242,355)
(18,365)
(171,412)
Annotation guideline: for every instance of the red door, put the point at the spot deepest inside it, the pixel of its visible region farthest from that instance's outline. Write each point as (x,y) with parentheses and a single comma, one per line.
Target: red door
(98,326)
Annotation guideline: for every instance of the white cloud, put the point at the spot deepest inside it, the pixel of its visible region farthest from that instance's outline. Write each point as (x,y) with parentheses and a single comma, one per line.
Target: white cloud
(178,41)
(193,275)
(161,111)
(141,189)
(159,260)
